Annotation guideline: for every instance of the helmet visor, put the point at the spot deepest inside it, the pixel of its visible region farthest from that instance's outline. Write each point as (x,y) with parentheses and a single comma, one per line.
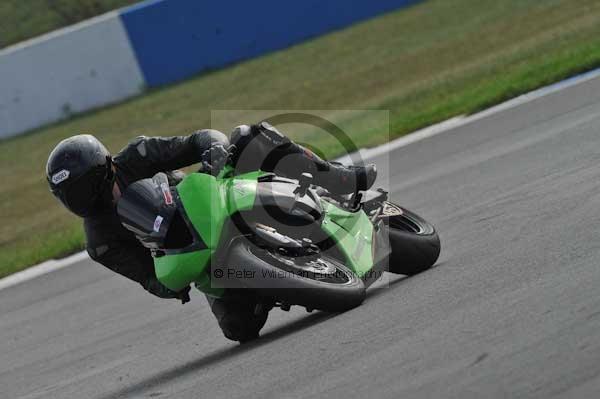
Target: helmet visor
(83,195)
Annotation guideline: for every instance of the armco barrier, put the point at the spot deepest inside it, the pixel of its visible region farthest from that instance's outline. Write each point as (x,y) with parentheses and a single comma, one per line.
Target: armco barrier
(114,56)
(68,71)
(175,39)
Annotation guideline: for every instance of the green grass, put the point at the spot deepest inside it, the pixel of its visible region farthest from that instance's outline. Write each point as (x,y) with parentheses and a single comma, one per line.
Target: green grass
(23,19)
(424,64)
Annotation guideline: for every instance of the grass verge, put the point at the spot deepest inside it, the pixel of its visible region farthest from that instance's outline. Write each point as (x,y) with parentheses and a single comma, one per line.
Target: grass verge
(424,64)
(20,20)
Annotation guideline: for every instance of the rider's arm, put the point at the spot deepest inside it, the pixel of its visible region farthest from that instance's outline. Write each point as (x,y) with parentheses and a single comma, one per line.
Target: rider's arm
(150,155)
(135,267)
(132,261)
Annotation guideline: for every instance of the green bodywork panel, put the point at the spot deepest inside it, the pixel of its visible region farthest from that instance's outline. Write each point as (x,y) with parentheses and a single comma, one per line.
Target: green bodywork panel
(208,203)
(353,234)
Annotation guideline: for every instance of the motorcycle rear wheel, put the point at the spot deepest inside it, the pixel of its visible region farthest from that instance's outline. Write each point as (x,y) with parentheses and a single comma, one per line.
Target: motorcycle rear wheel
(414,242)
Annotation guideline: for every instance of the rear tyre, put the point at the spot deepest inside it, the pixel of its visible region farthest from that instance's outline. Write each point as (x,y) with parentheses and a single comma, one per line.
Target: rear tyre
(414,242)
(321,283)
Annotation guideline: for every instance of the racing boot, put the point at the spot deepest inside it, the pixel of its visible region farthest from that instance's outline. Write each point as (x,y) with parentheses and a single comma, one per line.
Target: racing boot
(340,179)
(240,314)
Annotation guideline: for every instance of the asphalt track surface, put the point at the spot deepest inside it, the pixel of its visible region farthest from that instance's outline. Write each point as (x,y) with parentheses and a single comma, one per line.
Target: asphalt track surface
(511,310)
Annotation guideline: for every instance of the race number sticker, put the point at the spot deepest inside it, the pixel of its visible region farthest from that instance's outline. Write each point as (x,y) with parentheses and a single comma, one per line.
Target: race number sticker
(157,222)
(60,176)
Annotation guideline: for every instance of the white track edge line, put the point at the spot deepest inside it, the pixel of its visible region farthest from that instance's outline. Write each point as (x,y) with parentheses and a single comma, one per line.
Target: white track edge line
(365,154)
(41,269)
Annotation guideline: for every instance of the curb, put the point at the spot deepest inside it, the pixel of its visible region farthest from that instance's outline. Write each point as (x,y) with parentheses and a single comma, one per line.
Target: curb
(46,267)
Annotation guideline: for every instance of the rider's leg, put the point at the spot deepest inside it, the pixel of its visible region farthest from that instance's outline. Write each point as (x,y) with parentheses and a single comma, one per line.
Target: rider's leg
(263,147)
(238,315)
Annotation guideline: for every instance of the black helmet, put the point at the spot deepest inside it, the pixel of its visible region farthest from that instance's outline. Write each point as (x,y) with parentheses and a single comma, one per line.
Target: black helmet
(80,175)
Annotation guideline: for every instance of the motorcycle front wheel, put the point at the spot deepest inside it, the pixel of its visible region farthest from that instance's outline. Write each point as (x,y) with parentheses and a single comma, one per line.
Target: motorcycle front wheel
(316,282)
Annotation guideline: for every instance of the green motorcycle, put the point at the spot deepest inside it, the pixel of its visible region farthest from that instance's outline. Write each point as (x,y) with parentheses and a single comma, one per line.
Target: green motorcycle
(290,242)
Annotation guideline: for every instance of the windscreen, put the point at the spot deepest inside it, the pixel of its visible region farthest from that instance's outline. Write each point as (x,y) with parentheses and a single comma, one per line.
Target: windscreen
(146,208)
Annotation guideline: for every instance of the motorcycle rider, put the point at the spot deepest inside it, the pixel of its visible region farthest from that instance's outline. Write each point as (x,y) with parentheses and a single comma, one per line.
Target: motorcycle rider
(84,176)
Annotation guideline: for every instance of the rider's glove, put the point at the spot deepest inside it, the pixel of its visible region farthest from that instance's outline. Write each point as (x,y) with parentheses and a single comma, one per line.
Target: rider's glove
(155,287)
(214,159)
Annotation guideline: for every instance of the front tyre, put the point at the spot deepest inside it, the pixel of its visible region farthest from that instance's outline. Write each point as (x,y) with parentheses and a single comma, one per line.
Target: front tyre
(319,282)
(414,242)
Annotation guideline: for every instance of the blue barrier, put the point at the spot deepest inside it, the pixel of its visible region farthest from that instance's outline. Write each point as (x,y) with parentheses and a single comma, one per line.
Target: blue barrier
(175,39)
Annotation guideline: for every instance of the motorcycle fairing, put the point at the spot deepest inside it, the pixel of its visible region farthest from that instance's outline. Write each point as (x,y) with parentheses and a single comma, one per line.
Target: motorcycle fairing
(353,234)
(208,203)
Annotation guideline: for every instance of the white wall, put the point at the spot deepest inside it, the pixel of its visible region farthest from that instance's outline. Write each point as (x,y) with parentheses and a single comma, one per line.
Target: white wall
(47,78)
